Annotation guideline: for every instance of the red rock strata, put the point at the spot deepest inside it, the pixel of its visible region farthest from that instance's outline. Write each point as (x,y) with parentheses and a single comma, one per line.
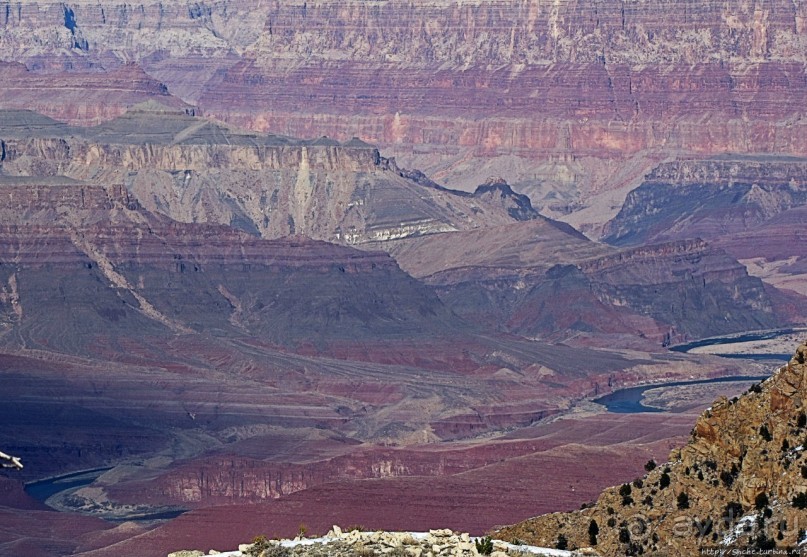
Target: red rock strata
(571,84)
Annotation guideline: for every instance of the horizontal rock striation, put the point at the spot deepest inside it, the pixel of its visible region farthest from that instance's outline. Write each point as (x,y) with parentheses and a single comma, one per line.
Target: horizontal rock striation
(195,170)
(86,95)
(566,86)
(493,257)
(539,279)
(188,278)
(710,199)
(752,207)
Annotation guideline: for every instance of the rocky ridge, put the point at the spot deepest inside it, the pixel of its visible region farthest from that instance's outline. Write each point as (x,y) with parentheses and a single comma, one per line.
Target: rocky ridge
(196,170)
(709,199)
(751,206)
(355,542)
(497,254)
(738,483)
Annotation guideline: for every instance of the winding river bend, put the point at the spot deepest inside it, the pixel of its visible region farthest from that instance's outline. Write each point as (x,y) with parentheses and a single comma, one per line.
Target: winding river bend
(629,400)
(752,336)
(622,401)
(44,490)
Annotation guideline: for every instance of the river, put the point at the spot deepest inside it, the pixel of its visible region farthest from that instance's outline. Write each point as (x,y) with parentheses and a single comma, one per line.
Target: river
(739,338)
(622,401)
(629,400)
(44,490)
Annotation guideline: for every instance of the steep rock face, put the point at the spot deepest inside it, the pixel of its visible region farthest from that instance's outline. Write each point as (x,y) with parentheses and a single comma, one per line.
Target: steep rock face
(709,199)
(489,252)
(753,207)
(566,86)
(195,170)
(688,285)
(539,278)
(120,270)
(87,95)
(739,482)
(184,279)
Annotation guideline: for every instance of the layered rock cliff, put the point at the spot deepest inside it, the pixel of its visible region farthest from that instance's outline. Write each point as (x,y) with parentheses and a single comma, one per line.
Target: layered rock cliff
(751,206)
(455,88)
(539,278)
(122,280)
(490,254)
(709,199)
(738,483)
(196,170)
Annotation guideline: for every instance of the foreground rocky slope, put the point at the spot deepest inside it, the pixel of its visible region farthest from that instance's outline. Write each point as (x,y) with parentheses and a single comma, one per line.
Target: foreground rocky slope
(258,376)
(338,543)
(738,483)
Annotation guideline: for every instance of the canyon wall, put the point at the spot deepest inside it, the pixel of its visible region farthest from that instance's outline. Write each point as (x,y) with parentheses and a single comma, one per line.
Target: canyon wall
(457,89)
(195,170)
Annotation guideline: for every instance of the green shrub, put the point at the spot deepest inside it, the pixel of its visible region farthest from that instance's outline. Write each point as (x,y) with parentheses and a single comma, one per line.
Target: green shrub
(262,547)
(593,532)
(761,501)
(484,546)
(800,501)
(259,545)
(734,511)
(624,535)
(650,465)
(562,542)
(683,501)
(664,480)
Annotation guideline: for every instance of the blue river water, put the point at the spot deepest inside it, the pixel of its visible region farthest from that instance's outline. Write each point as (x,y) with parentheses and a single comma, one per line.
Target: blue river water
(43,489)
(733,339)
(622,401)
(629,401)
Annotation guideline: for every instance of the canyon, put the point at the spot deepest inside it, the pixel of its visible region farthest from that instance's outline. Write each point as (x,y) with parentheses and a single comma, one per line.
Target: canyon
(272,263)
(150,295)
